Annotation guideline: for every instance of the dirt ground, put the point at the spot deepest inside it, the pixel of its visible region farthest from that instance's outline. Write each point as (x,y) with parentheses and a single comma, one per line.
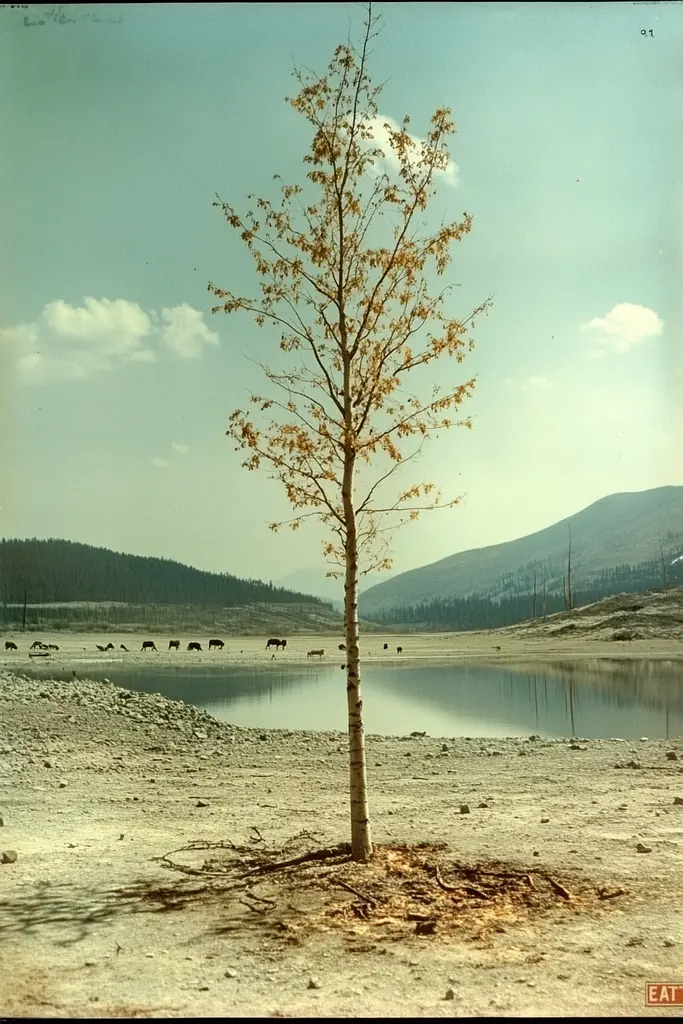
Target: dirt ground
(582,842)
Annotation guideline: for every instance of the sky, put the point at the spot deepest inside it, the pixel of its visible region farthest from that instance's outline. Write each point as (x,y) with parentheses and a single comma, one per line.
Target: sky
(122,123)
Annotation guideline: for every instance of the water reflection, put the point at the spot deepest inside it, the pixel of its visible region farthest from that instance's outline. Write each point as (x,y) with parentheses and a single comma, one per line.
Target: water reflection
(598,699)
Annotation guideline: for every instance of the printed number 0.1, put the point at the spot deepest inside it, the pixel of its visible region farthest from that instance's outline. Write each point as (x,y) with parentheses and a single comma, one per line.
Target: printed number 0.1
(646,32)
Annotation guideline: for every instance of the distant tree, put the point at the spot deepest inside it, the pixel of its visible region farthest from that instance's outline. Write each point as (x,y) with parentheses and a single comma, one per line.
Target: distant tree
(663,561)
(568,594)
(343,264)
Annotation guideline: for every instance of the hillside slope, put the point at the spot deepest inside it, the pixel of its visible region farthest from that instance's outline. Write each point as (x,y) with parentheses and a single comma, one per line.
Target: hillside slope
(60,571)
(616,530)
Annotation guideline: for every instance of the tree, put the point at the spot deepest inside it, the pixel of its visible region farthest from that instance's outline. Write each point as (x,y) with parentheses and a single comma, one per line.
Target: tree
(568,594)
(356,315)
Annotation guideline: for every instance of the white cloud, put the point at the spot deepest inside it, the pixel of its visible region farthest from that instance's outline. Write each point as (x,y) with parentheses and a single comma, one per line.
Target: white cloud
(536,384)
(381,140)
(184,332)
(160,463)
(181,449)
(623,327)
(72,342)
(533,383)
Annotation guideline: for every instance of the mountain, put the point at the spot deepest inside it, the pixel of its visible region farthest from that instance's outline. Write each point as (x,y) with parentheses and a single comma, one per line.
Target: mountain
(60,571)
(618,530)
(314,581)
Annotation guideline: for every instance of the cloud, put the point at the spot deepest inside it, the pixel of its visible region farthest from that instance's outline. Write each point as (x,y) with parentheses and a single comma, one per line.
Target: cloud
(181,449)
(533,383)
(382,140)
(160,463)
(625,326)
(184,332)
(76,342)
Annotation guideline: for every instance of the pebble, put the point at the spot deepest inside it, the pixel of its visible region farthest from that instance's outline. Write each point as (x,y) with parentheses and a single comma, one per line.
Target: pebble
(313,983)
(450,993)
(642,848)
(8,856)
(230,973)
(203,803)
(464,808)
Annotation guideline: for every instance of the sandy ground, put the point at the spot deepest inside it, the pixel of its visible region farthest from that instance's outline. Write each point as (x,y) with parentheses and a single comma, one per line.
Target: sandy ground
(95,782)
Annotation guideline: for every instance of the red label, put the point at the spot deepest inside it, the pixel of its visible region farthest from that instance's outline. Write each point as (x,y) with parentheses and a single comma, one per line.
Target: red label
(664,995)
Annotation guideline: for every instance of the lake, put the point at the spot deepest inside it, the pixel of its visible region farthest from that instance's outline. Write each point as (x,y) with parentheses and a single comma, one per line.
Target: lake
(598,700)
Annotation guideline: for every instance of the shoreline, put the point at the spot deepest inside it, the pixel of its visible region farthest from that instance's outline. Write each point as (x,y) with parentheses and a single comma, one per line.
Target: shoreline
(78,650)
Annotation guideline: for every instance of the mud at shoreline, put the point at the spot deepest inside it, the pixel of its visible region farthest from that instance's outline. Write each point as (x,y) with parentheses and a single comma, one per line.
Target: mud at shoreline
(95,782)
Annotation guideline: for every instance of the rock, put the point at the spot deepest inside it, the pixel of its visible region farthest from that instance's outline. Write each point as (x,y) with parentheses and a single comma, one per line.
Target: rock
(425,927)
(544,821)
(8,856)
(642,848)
(669,942)
(48,764)
(2,821)
(63,783)
(482,803)
(464,808)
(444,747)
(450,993)
(671,755)
(202,803)
(678,800)
(313,983)
(230,973)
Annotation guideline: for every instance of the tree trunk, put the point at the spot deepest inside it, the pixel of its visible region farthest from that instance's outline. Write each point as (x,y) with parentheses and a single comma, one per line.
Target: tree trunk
(361,840)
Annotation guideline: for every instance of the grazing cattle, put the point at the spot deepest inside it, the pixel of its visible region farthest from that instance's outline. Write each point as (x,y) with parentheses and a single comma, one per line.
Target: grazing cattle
(52,647)
(216,643)
(36,643)
(100,647)
(311,653)
(10,645)
(124,648)
(148,645)
(399,650)
(109,647)
(194,646)
(386,647)
(342,647)
(274,642)
(174,645)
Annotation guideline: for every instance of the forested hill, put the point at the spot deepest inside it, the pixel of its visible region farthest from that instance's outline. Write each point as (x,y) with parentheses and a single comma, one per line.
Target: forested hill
(61,570)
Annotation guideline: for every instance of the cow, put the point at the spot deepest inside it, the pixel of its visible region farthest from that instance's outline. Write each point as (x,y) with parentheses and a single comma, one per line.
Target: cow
(100,647)
(311,653)
(174,645)
(399,650)
(52,647)
(274,642)
(148,645)
(10,645)
(109,647)
(36,643)
(124,648)
(216,643)
(194,646)
(386,647)
(342,647)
